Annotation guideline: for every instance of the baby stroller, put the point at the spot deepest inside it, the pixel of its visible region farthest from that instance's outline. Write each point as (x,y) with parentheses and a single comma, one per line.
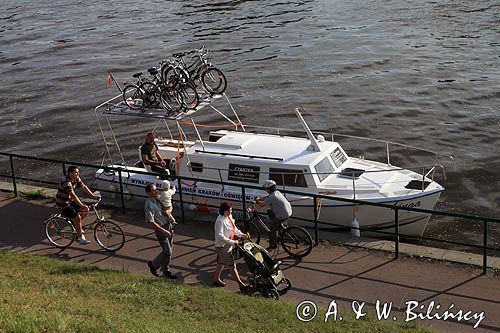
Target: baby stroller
(267,279)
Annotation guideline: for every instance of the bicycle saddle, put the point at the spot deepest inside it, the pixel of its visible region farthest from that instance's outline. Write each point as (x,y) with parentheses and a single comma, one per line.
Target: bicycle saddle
(179,55)
(152,71)
(136,75)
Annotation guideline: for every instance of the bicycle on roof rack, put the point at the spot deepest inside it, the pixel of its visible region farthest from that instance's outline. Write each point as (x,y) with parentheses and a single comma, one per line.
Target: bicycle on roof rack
(60,230)
(146,93)
(200,70)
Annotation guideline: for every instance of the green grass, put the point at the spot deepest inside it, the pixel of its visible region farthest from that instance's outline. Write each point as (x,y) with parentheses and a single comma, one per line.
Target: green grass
(40,294)
(36,195)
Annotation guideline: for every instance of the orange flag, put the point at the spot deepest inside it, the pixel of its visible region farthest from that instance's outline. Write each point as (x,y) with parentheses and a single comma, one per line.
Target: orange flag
(109,80)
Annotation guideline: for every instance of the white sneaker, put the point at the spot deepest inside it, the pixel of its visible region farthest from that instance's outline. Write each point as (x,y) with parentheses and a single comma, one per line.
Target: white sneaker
(83,241)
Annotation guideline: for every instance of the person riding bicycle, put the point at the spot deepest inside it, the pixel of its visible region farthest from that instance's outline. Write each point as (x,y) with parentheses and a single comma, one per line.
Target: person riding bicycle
(69,203)
(280,210)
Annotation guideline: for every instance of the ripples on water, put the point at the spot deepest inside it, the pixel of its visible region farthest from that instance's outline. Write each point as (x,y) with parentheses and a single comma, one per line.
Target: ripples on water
(421,72)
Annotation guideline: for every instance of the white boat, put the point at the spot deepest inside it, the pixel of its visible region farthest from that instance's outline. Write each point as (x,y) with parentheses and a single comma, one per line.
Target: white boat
(309,164)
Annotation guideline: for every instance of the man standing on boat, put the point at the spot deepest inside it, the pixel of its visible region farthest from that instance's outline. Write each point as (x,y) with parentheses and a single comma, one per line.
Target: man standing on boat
(151,156)
(69,203)
(164,232)
(280,210)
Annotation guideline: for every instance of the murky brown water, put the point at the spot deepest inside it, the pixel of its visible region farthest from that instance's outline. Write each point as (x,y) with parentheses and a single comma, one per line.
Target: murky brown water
(425,73)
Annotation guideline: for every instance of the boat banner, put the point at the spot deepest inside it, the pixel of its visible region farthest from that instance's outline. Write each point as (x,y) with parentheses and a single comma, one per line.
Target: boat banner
(215,193)
(244,173)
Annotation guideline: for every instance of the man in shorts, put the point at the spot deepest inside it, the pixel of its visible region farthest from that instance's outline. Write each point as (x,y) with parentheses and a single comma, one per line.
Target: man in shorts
(69,203)
(279,210)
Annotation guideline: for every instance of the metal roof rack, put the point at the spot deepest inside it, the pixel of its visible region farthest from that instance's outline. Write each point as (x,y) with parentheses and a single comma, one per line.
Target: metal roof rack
(116,106)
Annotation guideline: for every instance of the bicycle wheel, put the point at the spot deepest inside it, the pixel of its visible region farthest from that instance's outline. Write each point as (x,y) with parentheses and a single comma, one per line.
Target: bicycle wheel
(109,235)
(296,241)
(190,96)
(214,80)
(151,98)
(171,100)
(254,232)
(168,73)
(60,232)
(133,96)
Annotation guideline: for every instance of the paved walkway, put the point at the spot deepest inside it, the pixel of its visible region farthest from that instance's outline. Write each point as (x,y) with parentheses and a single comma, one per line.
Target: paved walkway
(343,274)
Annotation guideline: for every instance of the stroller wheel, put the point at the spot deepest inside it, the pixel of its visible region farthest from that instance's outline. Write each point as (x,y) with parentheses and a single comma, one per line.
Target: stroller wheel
(271,293)
(287,287)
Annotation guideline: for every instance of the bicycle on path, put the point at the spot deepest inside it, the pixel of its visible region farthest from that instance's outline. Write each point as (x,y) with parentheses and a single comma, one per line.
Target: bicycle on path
(60,230)
(295,240)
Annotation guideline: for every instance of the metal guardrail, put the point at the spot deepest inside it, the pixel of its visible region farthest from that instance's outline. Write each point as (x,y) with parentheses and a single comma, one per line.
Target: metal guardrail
(121,170)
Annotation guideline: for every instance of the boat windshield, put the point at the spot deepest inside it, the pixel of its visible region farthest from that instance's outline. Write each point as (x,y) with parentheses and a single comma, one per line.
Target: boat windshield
(324,168)
(338,157)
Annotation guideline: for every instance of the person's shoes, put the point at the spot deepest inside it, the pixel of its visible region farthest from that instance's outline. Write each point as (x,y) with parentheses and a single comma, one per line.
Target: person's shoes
(169,275)
(271,247)
(245,289)
(83,241)
(218,284)
(152,269)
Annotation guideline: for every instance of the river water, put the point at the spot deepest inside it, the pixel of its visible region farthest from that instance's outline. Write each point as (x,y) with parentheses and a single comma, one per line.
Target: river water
(424,73)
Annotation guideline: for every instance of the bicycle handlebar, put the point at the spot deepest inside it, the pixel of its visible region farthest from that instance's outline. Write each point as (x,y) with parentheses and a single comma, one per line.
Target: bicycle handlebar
(95,204)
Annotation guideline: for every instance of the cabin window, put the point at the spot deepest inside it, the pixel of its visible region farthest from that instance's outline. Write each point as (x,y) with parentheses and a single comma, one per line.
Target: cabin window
(287,177)
(196,167)
(338,157)
(214,137)
(324,168)
(243,173)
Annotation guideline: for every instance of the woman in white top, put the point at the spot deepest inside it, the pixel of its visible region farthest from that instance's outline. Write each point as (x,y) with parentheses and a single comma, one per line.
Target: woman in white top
(225,233)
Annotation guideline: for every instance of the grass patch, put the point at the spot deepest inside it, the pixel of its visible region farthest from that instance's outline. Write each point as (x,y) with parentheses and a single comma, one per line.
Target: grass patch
(36,195)
(40,294)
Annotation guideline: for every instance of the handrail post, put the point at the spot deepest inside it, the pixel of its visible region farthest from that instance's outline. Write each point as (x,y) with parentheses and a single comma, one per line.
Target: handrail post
(388,156)
(179,184)
(13,173)
(423,179)
(122,197)
(316,230)
(396,231)
(485,246)
(244,202)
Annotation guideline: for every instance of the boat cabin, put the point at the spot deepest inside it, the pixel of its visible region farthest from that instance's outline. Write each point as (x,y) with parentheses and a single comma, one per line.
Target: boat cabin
(250,158)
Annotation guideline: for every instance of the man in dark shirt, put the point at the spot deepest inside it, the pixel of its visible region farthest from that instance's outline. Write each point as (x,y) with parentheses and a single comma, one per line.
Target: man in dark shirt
(69,203)
(151,156)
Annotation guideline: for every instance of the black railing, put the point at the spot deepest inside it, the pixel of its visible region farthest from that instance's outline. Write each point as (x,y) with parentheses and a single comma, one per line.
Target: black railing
(396,234)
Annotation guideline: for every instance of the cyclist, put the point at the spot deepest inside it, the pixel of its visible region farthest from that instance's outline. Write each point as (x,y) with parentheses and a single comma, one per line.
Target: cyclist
(279,210)
(69,203)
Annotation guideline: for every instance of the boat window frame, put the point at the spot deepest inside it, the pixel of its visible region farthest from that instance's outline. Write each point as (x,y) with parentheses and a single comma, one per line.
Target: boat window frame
(332,156)
(324,174)
(198,167)
(280,177)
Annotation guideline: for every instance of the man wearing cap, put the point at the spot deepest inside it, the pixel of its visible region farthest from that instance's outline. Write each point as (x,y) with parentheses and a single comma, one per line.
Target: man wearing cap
(279,210)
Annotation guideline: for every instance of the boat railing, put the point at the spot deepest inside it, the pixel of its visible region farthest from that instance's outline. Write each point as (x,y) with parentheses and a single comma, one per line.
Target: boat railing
(386,143)
(426,171)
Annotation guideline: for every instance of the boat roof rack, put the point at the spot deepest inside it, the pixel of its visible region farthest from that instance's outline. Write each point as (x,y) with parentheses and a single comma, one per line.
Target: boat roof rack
(116,106)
